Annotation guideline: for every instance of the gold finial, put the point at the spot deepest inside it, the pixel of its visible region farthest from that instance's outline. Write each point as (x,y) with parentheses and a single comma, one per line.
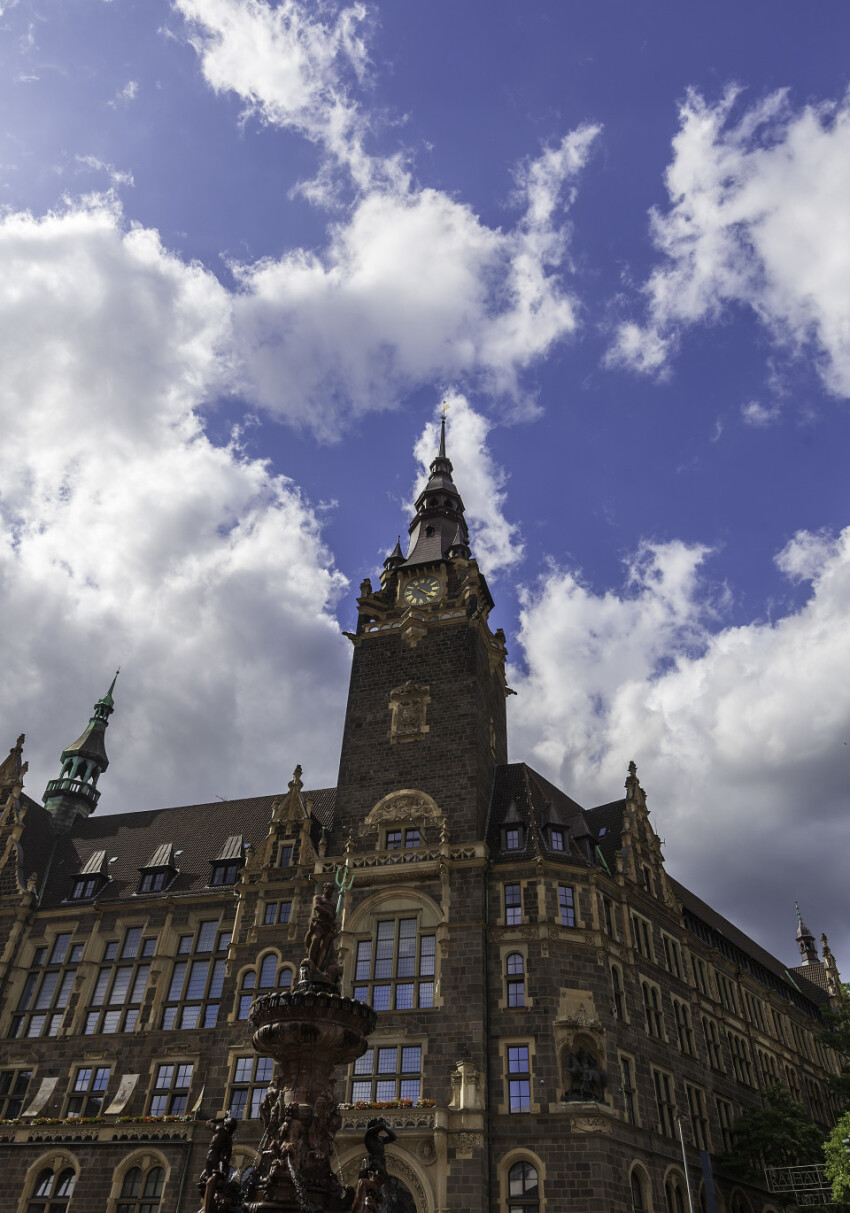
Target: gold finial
(444,407)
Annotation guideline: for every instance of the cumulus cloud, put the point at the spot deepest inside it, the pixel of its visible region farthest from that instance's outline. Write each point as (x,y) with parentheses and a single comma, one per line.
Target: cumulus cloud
(757,219)
(411,287)
(127,537)
(739,731)
(125,95)
(496,542)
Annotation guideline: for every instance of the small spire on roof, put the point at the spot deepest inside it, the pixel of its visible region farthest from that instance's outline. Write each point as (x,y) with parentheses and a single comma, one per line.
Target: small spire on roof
(805,940)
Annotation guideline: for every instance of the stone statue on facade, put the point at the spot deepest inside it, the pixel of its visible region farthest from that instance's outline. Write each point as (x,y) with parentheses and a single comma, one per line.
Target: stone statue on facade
(220,1193)
(587,1079)
(377,1137)
(320,961)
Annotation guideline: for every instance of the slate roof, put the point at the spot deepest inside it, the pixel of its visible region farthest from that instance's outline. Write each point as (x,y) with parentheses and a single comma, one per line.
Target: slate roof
(196,832)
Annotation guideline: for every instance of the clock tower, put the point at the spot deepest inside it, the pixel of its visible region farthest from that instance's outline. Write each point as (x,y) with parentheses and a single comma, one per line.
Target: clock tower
(426,703)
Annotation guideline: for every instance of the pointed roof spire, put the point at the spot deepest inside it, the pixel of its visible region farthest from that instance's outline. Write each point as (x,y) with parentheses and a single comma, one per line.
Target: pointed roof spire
(805,940)
(439,524)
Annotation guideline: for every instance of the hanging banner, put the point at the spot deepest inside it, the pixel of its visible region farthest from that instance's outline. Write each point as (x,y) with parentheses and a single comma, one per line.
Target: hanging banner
(46,1089)
(126,1087)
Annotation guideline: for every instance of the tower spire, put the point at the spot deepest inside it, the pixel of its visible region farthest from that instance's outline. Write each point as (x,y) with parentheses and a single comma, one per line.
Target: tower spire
(805,940)
(438,528)
(75,793)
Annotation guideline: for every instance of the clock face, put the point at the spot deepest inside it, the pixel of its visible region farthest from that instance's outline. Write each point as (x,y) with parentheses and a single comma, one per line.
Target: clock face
(421,590)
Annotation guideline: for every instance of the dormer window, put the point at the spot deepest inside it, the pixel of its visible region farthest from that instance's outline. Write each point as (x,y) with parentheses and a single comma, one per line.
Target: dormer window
(229,862)
(91,879)
(159,871)
(556,838)
(513,829)
(286,855)
(513,838)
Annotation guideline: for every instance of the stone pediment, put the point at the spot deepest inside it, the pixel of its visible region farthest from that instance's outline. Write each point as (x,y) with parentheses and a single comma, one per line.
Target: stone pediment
(407,806)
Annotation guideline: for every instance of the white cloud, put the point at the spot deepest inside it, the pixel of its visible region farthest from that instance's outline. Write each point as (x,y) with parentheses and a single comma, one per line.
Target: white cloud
(116,176)
(495,542)
(739,731)
(759,415)
(127,537)
(411,287)
(757,218)
(125,95)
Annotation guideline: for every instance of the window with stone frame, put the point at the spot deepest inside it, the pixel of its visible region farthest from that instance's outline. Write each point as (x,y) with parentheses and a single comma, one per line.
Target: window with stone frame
(638,1186)
(52,1190)
(684,1028)
(726,992)
(642,936)
(170,1088)
(513,904)
(608,919)
(397,839)
(566,905)
(652,1010)
(277,913)
(726,1118)
(665,1101)
(741,1063)
(618,992)
(269,974)
(88,1089)
(627,1075)
(518,1078)
(13,1092)
(141,1190)
(387,1072)
(698,1116)
(711,1032)
(249,1079)
(769,1068)
(672,955)
(523,1188)
(674,1196)
(793,1082)
(287,854)
(394,970)
(47,987)
(701,975)
(515,979)
(193,997)
(122,979)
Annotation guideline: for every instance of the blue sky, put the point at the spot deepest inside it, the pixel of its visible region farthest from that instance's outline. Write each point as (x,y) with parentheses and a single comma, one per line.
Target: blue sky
(247,249)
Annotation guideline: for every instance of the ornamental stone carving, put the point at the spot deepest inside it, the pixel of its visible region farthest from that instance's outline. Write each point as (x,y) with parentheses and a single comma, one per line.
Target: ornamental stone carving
(408,708)
(405,807)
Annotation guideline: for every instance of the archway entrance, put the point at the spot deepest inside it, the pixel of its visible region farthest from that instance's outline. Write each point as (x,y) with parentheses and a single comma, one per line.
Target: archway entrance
(397,1197)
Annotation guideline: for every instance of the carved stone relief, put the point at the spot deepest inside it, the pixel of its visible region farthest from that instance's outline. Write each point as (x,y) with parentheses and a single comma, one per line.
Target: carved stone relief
(408,706)
(407,806)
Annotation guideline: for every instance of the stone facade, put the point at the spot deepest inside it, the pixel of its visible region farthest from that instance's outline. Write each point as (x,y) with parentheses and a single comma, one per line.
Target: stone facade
(549,998)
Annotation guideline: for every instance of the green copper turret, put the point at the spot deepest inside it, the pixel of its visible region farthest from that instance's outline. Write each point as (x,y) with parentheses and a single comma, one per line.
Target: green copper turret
(75,793)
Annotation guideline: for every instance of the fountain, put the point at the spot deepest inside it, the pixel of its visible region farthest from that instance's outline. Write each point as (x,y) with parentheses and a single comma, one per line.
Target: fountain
(309,1030)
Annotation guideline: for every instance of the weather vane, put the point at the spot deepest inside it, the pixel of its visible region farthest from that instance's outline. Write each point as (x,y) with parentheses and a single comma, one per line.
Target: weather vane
(444,407)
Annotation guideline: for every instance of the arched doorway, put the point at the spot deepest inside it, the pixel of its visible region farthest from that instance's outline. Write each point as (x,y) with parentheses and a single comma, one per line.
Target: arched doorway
(397,1197)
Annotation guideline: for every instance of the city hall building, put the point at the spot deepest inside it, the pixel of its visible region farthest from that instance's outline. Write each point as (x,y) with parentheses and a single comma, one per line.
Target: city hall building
(550,1000)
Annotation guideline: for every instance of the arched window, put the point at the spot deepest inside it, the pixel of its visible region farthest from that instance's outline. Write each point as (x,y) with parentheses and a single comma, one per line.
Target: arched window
(523,1189)
(394,969)
(740,1204)
(272,976)
(515,970)
(52,1191)
(638,1192)
(141,1190)
(674,1196)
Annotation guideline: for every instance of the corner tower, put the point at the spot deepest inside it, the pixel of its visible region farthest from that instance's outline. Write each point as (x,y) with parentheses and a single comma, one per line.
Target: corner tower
(426,703)
(75,793)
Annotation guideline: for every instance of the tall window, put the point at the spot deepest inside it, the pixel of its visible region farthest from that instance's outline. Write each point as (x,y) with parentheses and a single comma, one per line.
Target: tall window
(726,991)
(47,987)
(387,1072)
(519,1079)
(619,997)
(652,1010)
(701,975)
(638,1192)
(193,999)
(726,1116)
(672,955)
(396,970)
(628,1076)
(674,1196)
(171,1089)
(121,983)
(13,1091)
(684,1030)
(52,1191)
(566,905)
(272,975)
(712,1044)
(665,1101)
(90,1083)
(741,1059)
(141,1190)
(523,1189)
(641,936)
(697,1113)
(515,979)
(513,904)
(251,1077)
(608,917)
